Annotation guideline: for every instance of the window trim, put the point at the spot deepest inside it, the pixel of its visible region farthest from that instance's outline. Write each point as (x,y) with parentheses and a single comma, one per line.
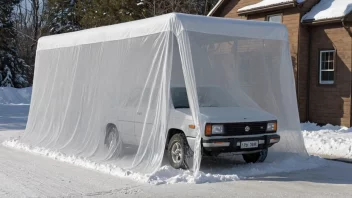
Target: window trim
(277,14)
(325,82)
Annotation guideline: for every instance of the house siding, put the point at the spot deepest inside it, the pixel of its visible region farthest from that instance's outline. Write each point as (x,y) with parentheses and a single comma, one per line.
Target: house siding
(331,103)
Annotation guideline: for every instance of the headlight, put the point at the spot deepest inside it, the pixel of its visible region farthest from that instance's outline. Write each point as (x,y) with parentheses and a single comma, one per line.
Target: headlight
(214,129)
(272,126)
(217,129)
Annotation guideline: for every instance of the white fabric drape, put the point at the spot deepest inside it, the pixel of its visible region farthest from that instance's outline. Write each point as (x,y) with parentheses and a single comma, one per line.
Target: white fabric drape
(122,75)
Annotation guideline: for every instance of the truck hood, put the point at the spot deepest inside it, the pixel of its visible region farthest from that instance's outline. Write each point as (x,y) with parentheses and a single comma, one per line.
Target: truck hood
(231,114)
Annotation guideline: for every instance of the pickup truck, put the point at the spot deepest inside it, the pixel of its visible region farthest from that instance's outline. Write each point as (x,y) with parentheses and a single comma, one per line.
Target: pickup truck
(228,127)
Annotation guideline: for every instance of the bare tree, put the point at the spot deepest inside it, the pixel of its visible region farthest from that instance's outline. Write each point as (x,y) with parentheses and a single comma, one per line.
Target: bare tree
(33,17)
(159,7)
(28,24)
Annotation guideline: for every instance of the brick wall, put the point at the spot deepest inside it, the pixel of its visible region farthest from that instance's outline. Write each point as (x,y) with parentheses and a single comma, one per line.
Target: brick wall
(331,103)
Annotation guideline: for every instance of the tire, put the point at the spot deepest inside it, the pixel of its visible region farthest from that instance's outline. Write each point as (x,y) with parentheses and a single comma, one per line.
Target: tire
(255,157)
(178,151)
(113,140)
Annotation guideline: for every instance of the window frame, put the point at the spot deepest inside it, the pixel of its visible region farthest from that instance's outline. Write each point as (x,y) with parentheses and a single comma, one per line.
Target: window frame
(271,15)
(327,82)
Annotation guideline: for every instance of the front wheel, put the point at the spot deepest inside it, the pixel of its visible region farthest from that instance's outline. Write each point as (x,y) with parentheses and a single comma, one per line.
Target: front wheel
(113,140)
(178,149)
(256,157)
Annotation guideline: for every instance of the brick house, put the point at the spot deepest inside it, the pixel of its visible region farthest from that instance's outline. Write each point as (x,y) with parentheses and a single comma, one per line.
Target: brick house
(321,47)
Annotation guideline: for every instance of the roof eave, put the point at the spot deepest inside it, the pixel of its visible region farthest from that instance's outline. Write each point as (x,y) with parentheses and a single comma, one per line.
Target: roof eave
(267,8)
(322,21)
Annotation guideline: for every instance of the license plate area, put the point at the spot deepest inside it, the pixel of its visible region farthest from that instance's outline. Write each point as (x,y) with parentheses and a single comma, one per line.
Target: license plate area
(249,144)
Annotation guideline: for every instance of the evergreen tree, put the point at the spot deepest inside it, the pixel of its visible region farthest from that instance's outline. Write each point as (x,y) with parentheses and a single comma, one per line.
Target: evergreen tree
(61,16)
(14,72)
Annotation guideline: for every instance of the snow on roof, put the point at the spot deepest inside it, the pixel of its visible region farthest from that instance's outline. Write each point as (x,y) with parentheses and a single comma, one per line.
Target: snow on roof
(329,9)
(267,3)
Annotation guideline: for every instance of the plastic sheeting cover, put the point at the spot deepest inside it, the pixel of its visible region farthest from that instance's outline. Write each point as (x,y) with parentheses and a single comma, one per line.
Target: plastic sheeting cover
(118,78)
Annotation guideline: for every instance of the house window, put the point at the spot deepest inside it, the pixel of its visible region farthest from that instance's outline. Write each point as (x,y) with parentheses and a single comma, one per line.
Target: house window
(327,67)
(276,18)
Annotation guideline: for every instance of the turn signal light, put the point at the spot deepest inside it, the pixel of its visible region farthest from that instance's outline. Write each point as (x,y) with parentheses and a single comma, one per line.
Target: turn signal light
(192,126)
(208,129)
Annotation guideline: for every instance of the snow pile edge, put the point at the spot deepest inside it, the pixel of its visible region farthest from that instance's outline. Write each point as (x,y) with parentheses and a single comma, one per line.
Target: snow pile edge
(165,175)
(168,175)
(334,142)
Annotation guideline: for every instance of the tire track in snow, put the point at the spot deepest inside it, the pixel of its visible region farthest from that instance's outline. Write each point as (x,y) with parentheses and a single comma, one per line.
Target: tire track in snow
(27,175)
(133,190)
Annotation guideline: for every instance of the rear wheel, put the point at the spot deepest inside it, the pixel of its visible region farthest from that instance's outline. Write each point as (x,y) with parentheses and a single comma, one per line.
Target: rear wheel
(178,150)
(256,157)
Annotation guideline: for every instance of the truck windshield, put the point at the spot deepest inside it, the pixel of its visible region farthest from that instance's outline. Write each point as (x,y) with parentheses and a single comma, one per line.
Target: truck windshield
(207,97)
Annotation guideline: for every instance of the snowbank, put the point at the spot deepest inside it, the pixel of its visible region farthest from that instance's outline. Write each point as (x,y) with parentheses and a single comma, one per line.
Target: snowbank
(169,175)
(9,95)
(267,3)
(329,9)
(328,141)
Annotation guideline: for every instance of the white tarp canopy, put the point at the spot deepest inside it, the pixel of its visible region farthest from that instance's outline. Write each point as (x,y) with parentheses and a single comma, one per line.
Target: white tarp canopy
(86,80)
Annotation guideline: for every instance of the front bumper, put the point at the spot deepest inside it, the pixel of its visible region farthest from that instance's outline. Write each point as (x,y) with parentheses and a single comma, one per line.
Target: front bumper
(225,145)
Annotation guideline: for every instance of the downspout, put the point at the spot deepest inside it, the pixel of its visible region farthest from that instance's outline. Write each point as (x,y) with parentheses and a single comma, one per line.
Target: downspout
(308,73)
(297,5)
(297,65)
(297,59)
(347,28)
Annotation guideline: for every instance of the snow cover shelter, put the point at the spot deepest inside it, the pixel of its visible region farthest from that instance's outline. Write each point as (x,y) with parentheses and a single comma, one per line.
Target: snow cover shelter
(86,80)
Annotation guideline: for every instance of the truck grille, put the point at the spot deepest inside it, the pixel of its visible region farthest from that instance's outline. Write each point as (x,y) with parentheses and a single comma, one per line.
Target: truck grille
(255,128)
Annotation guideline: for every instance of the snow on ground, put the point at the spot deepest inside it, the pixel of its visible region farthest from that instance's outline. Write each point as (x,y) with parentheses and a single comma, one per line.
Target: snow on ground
(13,117)
(329,9)
(267,3)
(232,171)
(14,107)
(9,95)
(329,141)
(23,174)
